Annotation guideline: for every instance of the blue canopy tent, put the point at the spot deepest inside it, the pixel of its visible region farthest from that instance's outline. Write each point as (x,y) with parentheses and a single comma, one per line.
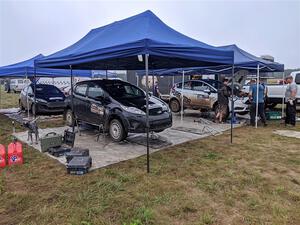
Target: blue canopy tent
(142,41)
(27,69)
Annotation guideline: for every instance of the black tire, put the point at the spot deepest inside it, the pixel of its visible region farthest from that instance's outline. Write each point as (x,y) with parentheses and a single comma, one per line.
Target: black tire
(69,118)
(117,131)
(174,105)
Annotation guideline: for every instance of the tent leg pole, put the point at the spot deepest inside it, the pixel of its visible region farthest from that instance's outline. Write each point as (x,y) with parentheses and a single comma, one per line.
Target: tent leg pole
(137,79)
(152,83)
(257,87)
(147,110)
(0,91)
(232,106)
(283,91)
(72,100)
(27,102)
(34,92)
(106,76)
(182,96)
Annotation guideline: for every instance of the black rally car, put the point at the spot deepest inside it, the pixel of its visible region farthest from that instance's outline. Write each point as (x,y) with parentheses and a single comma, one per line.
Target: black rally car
(117,105)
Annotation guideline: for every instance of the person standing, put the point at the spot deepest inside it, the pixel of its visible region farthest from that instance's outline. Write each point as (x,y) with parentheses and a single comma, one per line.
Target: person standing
(254,101)
(223,100)
(290,99)
(156,90)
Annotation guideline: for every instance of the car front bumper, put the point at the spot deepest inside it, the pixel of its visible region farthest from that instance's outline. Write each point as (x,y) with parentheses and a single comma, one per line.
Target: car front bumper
(51,107)
(137,123)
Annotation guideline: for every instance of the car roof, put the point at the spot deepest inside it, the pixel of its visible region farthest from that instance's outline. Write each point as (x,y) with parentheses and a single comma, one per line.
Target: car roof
(102,82)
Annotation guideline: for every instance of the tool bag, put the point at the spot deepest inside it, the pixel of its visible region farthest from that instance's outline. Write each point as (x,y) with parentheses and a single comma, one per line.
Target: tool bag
(51,139)
(67,144)
(58,151)
(77,152)
(79,165)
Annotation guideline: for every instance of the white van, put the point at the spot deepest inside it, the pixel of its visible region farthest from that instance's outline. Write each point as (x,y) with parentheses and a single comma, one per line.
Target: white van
(17,85)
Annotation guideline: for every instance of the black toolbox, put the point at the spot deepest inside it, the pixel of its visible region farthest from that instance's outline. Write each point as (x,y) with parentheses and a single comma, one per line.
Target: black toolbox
(58,151)
(66,146)
(79,165)
(77,152)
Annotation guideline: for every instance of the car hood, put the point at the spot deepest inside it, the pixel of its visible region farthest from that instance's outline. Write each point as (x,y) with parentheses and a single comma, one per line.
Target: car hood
(140,103)
(51,98)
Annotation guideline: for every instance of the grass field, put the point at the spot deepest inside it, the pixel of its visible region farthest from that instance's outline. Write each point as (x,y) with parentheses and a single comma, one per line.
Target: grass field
(8,100)
(254,181)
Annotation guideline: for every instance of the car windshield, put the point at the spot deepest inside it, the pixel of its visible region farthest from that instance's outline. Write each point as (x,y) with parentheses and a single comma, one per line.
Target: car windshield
(123,90)
(47,89)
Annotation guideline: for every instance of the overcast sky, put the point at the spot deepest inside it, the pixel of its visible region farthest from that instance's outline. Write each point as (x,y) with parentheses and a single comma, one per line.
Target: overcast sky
(28,28)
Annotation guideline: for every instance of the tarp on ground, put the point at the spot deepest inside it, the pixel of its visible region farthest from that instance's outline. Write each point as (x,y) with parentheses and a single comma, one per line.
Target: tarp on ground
(117,45)
(26,68)
(242,61)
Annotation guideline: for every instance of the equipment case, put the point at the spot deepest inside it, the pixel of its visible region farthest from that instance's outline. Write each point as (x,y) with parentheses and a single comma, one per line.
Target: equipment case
(77,152)
(58,151)
(79,165)
(51,139)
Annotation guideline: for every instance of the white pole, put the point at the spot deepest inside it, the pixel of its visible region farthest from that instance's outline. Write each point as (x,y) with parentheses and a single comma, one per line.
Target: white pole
(27,102)
(257,87)
(147,110)
(137,79)
(283,92)
(181,113)
(173,80)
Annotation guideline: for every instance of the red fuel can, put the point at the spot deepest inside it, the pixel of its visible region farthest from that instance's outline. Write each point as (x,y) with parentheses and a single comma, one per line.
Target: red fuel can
(2,156)
(15,153)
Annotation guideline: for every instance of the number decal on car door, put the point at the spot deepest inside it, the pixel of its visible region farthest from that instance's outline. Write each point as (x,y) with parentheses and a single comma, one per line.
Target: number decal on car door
(97,109)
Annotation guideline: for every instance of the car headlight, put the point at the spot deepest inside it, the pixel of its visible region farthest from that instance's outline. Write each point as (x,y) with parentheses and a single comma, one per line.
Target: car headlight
(133,110)
(165,108)
(41,100)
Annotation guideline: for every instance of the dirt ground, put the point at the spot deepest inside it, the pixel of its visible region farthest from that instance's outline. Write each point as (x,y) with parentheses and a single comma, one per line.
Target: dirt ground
(256,180)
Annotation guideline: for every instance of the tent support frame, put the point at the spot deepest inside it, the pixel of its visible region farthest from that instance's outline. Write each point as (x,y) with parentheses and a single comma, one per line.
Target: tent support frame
(182,96)
(257,90)
(72,100)
(147,109)
(232,106)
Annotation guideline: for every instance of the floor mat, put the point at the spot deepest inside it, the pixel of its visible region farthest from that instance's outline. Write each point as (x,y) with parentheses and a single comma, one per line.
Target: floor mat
(155,142)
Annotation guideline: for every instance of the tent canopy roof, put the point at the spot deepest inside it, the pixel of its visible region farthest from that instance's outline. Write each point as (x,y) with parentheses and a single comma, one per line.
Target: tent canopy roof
(245,59)
(26,68)
(242,61)
(116,46)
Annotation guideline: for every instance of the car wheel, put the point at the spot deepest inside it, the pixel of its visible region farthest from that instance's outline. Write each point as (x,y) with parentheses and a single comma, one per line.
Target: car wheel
(174,105)
(117,131)
(69,118)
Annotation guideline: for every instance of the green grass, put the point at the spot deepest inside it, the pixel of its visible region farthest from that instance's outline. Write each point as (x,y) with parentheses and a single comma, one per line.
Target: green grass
(209,181)
(8,100)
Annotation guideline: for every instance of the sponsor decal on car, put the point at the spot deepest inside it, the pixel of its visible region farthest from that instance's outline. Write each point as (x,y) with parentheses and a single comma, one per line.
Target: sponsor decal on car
(97,109)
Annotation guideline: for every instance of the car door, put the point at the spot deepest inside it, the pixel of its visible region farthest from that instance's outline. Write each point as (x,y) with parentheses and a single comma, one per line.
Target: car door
(201,94)
(95,104)
(79,99)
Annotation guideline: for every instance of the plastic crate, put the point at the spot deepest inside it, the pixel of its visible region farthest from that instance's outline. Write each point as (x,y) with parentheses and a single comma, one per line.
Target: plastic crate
(273,115)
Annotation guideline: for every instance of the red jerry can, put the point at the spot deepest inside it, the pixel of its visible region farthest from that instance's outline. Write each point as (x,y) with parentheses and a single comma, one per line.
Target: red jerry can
(15,153)
(2,156)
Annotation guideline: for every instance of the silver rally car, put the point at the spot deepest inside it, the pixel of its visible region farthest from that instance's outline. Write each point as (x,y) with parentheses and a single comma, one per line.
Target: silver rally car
(202,95)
